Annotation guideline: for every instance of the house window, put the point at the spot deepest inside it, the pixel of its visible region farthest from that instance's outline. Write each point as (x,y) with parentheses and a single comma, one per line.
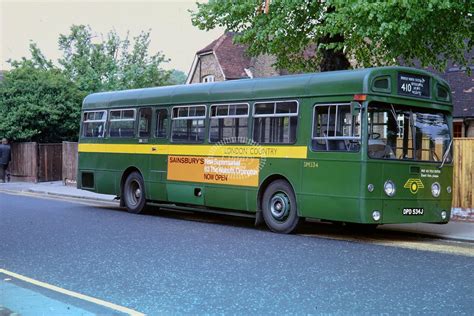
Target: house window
(208,78)
(457,129)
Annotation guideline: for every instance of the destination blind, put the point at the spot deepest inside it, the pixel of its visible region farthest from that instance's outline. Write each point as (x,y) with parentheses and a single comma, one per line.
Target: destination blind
(413,85)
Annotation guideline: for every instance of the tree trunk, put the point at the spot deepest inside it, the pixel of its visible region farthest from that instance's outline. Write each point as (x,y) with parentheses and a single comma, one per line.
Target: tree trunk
(333,59)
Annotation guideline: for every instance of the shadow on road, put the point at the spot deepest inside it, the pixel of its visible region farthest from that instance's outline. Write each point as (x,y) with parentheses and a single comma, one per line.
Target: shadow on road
(308,228)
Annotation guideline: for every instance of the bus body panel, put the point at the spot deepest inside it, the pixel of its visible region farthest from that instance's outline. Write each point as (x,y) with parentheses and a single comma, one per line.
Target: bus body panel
(403,174)
(329,185)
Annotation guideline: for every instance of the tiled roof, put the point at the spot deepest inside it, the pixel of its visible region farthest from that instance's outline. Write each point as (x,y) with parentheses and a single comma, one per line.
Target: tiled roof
(462,87)
(232,57)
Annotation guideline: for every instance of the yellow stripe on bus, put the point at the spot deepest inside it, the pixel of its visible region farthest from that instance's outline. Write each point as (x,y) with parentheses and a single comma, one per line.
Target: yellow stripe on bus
(198,150)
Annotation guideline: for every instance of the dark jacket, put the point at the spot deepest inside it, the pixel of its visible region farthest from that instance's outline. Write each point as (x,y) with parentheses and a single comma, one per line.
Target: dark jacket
(5,154)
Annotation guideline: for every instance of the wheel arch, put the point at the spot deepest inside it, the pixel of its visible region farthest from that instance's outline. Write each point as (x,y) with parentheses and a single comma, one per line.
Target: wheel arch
(265,183)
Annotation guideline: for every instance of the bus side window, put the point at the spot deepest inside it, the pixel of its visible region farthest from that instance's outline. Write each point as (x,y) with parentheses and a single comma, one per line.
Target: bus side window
(188,124)
(229,123)
(335,128)
(275,122)
(122,123)
(144,123)
(93,124)
(161,130)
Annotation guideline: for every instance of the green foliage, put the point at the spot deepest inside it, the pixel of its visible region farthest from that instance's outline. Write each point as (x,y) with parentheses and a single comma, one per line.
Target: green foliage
(40,101)
(381,32)
(38,104)
(369,32)
(177,77)
(110,63)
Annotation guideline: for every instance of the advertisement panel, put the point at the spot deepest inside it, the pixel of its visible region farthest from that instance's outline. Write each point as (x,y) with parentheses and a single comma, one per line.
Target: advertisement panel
(221,170)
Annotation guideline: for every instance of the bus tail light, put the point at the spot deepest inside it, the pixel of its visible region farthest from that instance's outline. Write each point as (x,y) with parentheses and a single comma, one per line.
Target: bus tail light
(360,97)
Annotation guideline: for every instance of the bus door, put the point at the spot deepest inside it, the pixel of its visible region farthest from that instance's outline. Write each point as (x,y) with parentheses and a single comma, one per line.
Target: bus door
(331,174)
(158,157)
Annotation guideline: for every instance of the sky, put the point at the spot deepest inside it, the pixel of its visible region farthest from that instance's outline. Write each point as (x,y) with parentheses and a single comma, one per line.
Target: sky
(41,21)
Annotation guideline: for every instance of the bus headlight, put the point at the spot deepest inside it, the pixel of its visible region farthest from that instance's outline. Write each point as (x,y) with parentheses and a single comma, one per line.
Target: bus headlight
(389,188)
(435,189)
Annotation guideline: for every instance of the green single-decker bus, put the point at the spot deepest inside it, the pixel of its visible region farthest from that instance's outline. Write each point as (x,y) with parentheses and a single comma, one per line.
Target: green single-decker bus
(364,147)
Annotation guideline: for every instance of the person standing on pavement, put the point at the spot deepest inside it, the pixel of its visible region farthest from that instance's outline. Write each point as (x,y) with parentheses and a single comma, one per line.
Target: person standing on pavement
(5,157)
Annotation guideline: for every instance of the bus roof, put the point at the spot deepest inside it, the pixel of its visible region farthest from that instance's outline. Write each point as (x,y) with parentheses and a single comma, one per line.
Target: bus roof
(344,82)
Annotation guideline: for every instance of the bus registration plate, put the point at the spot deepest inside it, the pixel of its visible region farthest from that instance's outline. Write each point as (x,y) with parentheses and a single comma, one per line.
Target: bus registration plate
(413,211)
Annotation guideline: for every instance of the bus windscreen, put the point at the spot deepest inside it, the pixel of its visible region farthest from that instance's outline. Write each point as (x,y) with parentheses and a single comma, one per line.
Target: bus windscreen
(400,132)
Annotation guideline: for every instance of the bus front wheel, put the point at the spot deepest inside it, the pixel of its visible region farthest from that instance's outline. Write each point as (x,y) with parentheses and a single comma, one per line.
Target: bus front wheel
(134,193)
(279,207)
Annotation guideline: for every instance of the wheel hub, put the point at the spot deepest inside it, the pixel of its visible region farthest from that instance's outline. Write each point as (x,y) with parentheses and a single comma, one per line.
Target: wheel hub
(280,206)
(134,193)
(138,193)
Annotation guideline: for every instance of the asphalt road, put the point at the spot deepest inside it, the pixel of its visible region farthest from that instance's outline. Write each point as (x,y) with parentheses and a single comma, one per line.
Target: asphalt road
(168,262)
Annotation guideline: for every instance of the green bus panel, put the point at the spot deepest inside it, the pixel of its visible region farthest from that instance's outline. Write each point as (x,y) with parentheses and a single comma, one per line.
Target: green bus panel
(228,197)
(328,185)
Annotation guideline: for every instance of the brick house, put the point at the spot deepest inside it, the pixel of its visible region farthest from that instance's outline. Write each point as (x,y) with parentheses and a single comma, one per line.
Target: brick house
(462,87)
(223,60)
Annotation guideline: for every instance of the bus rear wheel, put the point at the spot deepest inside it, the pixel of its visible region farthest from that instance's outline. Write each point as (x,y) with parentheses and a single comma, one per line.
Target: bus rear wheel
(134,193)
(279,207)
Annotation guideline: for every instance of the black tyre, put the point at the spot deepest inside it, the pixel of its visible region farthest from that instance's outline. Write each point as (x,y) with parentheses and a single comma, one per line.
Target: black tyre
(134,197)
(279,207)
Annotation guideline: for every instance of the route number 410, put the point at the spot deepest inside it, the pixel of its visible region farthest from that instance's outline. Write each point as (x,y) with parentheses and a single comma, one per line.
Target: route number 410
(406,87)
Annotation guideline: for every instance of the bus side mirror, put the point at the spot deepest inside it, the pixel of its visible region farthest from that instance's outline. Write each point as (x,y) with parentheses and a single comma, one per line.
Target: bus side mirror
(355,108)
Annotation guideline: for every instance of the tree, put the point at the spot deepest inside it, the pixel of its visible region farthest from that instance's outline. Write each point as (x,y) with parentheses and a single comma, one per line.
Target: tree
(177,77)
(308,35)
(101,63)
(41,101)
(39,104)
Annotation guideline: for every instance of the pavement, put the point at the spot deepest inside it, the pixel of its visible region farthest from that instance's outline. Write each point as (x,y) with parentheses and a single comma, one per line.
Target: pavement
(55,188)
(460,230)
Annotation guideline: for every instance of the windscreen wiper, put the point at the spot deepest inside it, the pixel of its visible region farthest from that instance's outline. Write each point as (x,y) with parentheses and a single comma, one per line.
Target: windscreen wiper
(395,117)
(446,154)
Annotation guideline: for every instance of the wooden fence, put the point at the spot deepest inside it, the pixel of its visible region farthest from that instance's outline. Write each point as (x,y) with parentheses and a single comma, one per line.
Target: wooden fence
(24,164)
(463,189)
(35,162)
(69,163)
(50,162)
